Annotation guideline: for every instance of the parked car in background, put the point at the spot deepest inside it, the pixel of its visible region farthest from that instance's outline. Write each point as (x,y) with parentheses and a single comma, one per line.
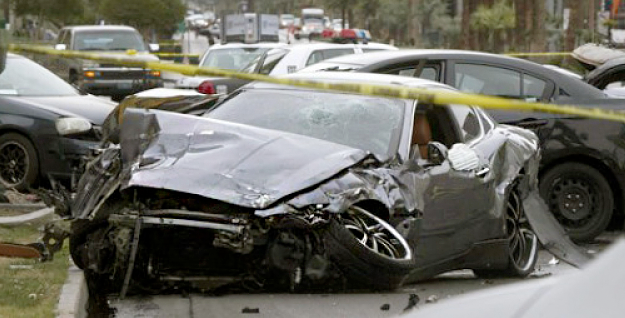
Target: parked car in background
(230,56)
(104,78)
(47,127)
(582,175)
(282,60)
(278,182)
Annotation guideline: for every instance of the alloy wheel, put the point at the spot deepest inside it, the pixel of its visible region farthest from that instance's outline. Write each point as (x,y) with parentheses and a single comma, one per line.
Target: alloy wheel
(376,234)
(14,163)
(523,242)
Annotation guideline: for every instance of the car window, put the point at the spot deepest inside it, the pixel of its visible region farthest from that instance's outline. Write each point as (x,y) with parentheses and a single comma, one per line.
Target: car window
(63,38)
(108,40)
(533,88)
(430,72)
(234,58)
(67,39)
(23,77)
(488,80)
(271,59)
(315,57)
(320,55)
(468,122)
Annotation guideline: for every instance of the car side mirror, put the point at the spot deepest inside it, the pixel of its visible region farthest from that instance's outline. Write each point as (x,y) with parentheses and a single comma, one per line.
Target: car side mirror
(154,47)
(437,153)
(60,47)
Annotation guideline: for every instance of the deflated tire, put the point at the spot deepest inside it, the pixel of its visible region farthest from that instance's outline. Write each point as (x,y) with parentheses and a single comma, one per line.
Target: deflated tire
(369,251)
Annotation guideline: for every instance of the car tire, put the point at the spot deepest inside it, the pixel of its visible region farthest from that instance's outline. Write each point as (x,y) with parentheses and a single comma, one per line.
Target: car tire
(348,246)
(81,228)
(580,198)
(522,242)
(19,163)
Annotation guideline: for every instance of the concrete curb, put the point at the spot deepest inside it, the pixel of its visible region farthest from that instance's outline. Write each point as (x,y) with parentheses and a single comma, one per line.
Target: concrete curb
(28,217)
(74,295)
(22,206)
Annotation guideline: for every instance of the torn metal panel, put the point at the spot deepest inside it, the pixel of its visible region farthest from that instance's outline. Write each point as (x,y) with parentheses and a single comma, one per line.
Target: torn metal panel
(551,233)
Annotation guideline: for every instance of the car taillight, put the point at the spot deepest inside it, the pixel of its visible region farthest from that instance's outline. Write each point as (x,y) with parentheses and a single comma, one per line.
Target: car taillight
(155,73)
(207,87)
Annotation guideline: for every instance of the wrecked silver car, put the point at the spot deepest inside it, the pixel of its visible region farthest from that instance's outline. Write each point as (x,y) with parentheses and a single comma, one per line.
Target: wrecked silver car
(286,188)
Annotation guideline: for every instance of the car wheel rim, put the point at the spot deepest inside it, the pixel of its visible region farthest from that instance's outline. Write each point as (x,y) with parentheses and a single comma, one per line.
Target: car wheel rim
(522,241)
(574,201)
(376,234)
(14,163)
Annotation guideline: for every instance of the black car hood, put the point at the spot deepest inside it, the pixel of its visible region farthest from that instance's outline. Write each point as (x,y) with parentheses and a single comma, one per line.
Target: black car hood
(89,107)
(238,164)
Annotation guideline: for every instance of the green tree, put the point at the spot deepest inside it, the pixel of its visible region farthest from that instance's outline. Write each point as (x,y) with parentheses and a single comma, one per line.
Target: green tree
(345,7)
(494,20)
(57,12)
(148,16)
(438,28)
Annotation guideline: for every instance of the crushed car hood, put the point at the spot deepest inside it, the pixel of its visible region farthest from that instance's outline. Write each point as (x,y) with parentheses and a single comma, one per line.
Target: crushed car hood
(234,163)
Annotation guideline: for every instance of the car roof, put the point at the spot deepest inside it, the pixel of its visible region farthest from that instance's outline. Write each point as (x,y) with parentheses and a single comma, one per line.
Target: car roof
(247,45)
(372,60)
(100,27)
(321,45)
(362,78)
(382,56)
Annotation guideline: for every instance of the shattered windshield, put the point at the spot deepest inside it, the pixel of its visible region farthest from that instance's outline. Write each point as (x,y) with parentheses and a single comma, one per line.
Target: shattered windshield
(363,122)
(232,58)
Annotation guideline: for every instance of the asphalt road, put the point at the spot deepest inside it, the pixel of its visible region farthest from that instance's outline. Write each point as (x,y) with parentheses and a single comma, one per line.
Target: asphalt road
(363,304)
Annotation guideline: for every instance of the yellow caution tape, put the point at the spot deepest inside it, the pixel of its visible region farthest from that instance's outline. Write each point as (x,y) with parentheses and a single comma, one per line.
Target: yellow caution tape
(169,44)
(176,55)
(540,54)
(437,97)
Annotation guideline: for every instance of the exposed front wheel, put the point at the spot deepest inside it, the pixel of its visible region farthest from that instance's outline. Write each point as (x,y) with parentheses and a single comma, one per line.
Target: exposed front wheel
(368,250)
(580,198)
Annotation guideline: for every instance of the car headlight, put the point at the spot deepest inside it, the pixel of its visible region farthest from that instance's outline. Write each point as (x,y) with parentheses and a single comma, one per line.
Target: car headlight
(72,125)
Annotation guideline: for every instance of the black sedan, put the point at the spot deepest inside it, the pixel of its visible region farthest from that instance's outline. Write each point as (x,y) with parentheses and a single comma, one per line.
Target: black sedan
(279,187)
(582,174)
(46,126)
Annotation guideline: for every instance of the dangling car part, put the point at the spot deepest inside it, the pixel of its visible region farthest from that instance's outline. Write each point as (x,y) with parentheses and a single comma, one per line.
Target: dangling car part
(289,189)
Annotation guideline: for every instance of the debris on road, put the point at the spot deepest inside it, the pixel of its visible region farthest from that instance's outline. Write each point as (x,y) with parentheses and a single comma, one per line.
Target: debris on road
(385,307)
(248,310)
(432,299)
(540,275)
(413,300)
(554,261)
